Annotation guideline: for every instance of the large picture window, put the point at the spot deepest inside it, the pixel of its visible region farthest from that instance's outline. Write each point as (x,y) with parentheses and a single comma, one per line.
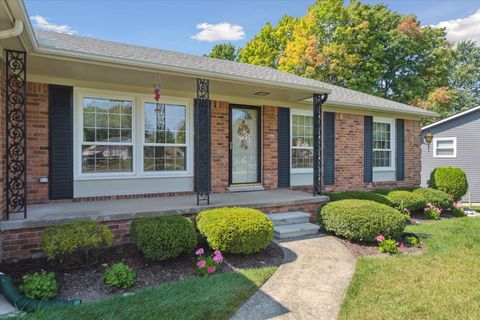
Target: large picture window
(383,140)
(165,147)
(107,135)
(302,142)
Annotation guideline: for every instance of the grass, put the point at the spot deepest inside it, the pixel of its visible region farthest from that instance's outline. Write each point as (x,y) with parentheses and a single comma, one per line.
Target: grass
(214,297)
(443,283)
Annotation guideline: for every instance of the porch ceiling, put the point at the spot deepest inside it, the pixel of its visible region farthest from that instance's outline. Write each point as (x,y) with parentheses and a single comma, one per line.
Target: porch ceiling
(88,74)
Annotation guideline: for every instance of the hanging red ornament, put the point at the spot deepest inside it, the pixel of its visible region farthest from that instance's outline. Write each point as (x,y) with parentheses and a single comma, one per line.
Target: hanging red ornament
(157,93)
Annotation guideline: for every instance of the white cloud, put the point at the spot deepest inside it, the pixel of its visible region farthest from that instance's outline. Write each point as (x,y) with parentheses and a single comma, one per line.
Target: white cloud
(219,32)
(43,23)
(463,28)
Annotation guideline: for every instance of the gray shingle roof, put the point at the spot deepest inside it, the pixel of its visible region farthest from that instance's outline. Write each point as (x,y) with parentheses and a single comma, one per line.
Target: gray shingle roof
(193,63)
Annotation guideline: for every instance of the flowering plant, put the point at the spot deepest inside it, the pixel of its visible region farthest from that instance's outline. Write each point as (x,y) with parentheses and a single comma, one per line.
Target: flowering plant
(432,212)
(207,265)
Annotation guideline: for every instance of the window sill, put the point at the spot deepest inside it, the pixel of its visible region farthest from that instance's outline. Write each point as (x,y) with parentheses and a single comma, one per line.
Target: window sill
(300,171)
(383,169)
(141,176)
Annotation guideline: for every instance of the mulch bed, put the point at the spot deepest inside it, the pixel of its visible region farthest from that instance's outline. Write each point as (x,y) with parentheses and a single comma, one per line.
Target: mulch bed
(361,249)
(86,282)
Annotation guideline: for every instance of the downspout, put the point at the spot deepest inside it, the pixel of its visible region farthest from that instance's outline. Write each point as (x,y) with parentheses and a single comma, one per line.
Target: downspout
(13,32)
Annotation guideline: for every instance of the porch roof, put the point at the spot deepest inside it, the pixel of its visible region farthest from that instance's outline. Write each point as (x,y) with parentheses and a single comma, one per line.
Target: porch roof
(43,215)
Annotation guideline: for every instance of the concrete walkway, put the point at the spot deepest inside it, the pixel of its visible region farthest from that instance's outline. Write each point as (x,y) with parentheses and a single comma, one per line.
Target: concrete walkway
(311,284)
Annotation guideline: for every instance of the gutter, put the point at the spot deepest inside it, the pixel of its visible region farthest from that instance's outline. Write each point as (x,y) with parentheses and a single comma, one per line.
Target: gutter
(13,32)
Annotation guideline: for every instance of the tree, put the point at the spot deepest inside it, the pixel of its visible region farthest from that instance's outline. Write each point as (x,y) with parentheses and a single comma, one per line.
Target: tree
(268,45)
(225,51)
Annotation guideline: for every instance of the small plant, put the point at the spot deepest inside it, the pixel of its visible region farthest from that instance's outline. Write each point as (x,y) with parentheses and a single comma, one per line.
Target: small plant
(40,285)
(412,241)
(432,212)
(388,246)
(457,210)
(119,275)
(208,265)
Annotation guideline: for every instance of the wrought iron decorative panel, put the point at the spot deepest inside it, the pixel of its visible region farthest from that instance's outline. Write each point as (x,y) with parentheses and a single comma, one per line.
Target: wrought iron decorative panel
(16,127)
(318,100)
(202,142)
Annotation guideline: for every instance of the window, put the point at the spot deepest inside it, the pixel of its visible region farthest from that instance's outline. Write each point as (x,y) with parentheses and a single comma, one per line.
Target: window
(165,147)
(445,147)
(302,141)
(383,141)
(107,135)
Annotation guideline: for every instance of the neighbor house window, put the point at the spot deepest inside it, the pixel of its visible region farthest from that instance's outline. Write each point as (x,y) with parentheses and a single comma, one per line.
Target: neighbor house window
(445,147)
(302,141)
(165,147)
(107,135)
(383,139)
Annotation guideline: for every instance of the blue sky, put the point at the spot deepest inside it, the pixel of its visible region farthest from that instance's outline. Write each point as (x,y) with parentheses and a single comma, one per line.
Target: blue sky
(174,25)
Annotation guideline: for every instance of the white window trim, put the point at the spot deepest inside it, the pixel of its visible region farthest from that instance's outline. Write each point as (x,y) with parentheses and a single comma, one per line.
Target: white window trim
(392,144)
(454,139)
(298,112)
(137,131)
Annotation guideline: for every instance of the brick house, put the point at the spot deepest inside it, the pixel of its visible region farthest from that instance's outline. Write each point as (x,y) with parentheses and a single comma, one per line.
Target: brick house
(82,135)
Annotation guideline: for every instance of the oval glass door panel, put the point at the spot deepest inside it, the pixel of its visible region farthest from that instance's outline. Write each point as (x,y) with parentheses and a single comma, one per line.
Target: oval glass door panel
(244,145)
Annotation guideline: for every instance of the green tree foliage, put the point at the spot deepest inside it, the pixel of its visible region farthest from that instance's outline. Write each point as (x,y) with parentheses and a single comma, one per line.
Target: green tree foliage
(225,51)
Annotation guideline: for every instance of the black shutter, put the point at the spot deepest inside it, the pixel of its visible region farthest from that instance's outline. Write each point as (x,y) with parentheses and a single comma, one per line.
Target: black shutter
(283,118)
(368,149)
(329,147)
(60,111)
(400,161)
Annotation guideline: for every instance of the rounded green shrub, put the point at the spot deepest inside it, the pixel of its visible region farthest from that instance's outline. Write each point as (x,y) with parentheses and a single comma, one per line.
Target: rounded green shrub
(119,275)
(363,195)
(437,198)
(451,180)
(361,220)
(407,200)
(235,230)
(75,242)
(39,285)
(165,237)
(389,246)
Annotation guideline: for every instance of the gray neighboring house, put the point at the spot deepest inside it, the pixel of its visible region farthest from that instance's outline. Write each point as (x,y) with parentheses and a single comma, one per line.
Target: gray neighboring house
(456,142)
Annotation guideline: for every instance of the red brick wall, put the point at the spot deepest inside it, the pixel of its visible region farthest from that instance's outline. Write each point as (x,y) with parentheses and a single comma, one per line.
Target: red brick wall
(220,145)
(269,147)
(37,142)
(349,131)
(2,139)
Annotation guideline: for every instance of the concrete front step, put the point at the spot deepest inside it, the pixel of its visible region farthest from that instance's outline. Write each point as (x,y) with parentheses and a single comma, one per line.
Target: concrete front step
(294,217)
(295,230)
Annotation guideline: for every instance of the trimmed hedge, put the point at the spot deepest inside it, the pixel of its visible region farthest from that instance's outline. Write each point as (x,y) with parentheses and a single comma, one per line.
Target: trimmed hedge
(361,220)
(235,230)
(451,180)
(413,202)
(362,195)
(437,198)
(165,237)
(385,192)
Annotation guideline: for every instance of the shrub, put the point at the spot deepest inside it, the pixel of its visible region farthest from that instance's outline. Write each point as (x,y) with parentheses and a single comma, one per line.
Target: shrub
(388,246)
(451,180)
(208,265)
(40,285)
(76,242)
(432,212)
(361,220)
(385,192)
(407,200)
(119,275)
(411,241)
(235,230)
(363,195)
(165,237)
(436,197)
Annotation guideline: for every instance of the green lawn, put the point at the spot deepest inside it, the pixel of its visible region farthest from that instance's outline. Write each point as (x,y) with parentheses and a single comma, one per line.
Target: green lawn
(443,283)
(215,297)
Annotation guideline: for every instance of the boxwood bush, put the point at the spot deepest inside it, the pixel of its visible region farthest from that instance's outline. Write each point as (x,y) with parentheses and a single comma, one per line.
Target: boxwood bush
(164,237)
(235,230)
(437,198)
(413,202)
(451,180)
(76,242)
(361,220)
(364,195)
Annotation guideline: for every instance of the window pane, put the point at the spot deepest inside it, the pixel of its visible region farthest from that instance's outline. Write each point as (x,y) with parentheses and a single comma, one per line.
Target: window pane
(445,152)
(445,144)
(302,158)
(104,158)
(381,135)
(164,158)
(302,139)
(381,158)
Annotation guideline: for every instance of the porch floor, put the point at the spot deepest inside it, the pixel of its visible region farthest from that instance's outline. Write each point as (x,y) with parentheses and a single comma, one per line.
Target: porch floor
(42,215)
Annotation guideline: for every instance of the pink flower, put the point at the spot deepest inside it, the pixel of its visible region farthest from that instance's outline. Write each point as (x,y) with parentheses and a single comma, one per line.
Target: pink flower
(211,269)
(217,253)
(380,238)
(201,263)
(199,251)
(218,258)
(401,246)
